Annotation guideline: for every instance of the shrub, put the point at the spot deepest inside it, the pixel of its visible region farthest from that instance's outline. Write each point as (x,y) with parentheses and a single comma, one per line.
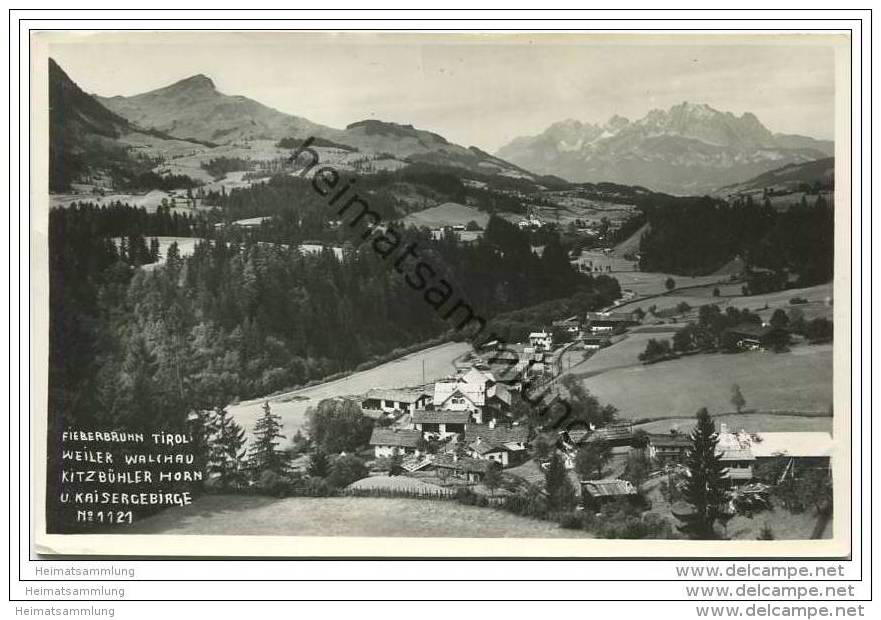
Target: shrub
(346,470)
(571,520)
(466,496)
(271,483)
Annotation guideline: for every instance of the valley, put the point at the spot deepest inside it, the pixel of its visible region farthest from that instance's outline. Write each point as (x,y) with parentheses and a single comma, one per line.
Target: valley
(334,381)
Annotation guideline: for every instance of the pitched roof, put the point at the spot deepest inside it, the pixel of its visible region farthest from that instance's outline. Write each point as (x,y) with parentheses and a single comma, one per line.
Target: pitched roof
(612,432)
(668,440)
(402,396)
(475,375)
(440,417)
(499,434)
(610,316)
(444,390)
(501,392)
(608,488)
(797,444)
(485,447)
(395,437)
(447,461)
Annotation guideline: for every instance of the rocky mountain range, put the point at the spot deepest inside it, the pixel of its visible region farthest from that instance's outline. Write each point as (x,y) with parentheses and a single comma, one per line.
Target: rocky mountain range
(688,149)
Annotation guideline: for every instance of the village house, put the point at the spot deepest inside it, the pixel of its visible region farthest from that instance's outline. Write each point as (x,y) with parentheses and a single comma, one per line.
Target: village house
(440,424)
(669,448)
(475,391)
(489,451)
(754,337)
(390,400)
(542,341)
(469,469)
(504,444)
(388,442)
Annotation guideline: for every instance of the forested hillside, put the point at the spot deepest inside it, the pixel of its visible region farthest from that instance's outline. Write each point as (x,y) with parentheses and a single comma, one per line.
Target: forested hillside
(697,236)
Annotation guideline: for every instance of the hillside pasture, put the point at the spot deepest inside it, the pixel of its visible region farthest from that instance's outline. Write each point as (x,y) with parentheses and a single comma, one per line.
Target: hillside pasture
(759,421)
(401,372)
(642,283)
(798,381)
(570,206)
(819,300)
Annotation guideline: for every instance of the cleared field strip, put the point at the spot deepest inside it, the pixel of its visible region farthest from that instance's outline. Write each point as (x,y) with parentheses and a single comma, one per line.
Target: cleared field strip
(404,371)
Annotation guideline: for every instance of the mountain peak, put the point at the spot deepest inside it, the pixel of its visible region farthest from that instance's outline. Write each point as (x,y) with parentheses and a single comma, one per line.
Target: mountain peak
(198,82)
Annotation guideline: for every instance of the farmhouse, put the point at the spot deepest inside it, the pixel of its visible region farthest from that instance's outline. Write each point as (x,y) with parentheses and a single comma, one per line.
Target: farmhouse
(741,451)
(470,469)
(387,442)
(389,401)
(594,342)
(595,493)
(489,451)
(802,450)
(669,448)
(615,434)
(754,337)
(440,424)
(604,322)
(503,444)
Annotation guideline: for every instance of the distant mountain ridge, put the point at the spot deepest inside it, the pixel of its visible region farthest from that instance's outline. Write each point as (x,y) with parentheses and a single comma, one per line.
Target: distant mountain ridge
(818,174)
(85,137)
(193,109)
(688,149)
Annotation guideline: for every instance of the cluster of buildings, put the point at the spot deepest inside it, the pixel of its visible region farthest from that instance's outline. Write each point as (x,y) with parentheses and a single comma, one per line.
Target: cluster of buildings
(742,452)
(464,418)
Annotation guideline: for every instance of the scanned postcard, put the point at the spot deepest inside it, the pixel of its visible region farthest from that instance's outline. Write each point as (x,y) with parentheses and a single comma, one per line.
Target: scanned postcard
(421,295)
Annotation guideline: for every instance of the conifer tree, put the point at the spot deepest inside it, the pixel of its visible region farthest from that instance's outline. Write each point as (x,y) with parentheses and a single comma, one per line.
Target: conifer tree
(561,494)
(226,450)
(706,487)
(264,455)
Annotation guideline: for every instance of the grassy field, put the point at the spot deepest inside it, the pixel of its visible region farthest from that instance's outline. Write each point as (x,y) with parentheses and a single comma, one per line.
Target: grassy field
(446,214)
(344,516)
(798,381)
(642,283)
(819,299)
(767,422)
(405,371)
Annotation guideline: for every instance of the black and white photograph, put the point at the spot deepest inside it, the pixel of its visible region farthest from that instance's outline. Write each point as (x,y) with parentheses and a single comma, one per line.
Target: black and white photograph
(581,292)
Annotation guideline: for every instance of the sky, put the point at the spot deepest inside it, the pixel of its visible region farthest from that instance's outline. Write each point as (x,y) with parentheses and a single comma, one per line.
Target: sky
(481,90)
